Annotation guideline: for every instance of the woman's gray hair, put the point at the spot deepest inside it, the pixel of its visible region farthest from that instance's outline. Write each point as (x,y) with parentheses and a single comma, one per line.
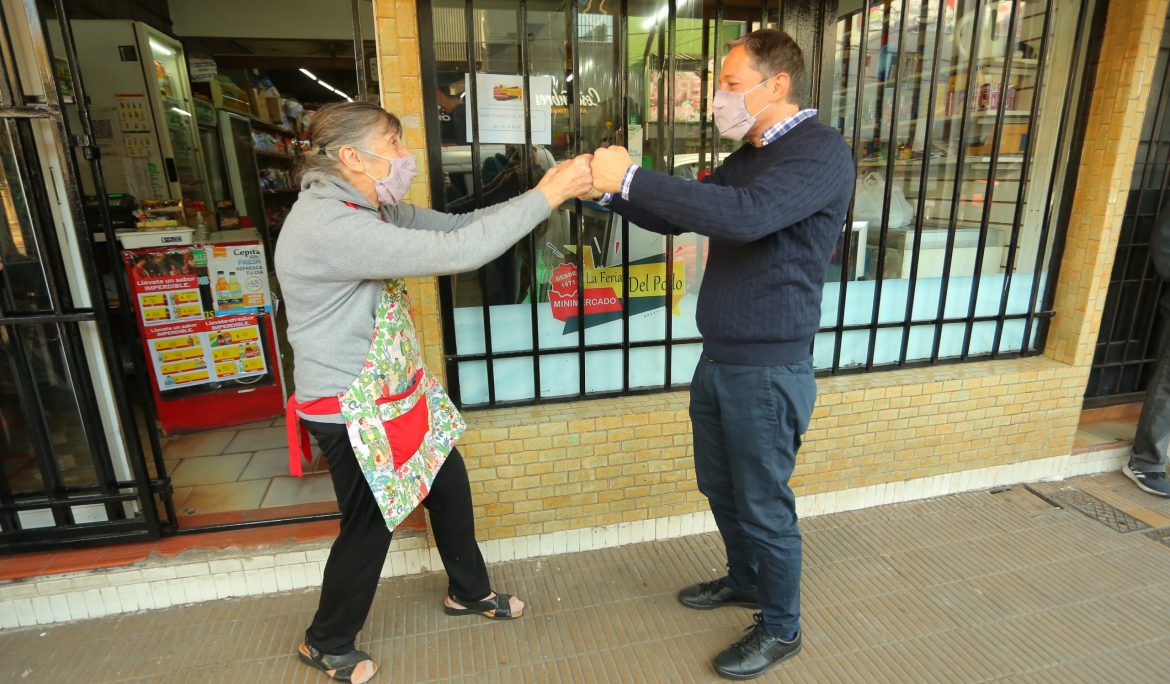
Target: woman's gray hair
(339,124)
(775,52)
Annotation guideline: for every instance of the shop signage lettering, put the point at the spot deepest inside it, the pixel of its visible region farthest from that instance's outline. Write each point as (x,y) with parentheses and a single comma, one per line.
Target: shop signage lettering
(591,98)
(604,290)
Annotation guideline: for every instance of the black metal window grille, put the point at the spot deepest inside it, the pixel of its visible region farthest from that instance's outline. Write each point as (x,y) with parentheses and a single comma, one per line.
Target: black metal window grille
(983,309)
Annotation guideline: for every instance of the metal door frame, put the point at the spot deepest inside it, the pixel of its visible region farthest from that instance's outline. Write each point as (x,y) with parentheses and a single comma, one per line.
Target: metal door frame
(24,19)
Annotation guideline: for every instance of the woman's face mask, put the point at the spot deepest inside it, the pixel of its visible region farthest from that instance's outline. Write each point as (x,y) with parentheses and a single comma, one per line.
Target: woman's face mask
(731,114)
(392,188)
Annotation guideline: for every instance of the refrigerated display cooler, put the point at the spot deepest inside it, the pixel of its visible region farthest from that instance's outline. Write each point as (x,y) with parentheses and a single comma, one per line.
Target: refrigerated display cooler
(205,317)
(243,173)
(144,116)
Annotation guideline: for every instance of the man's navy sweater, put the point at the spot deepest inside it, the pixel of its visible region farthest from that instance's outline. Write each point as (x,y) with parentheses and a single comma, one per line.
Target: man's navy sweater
(773,214)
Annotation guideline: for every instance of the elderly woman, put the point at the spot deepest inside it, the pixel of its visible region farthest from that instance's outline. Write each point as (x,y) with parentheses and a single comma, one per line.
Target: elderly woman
(383,421)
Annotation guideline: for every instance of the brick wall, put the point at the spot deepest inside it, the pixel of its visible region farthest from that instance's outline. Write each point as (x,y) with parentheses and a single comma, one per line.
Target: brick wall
(548,469)
(400,77)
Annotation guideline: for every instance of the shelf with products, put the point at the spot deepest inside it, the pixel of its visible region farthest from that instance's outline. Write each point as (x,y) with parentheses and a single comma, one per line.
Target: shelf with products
(269,144)
(264,156)
(986,96)
(1005,160)
(980,109)
(1019,65)
(278,180)
(982,118)
(271,127)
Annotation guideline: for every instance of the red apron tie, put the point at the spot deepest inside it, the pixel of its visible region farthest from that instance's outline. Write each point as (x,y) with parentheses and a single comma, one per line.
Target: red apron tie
(298,433)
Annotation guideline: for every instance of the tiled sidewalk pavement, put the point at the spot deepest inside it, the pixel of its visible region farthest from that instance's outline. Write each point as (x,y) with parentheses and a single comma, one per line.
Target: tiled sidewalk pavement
(968,588)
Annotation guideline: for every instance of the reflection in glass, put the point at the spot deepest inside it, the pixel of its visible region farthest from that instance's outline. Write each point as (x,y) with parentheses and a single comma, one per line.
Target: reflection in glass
(945,114)
(903,107)
(23,280)
(663,121)
(17,458)
(46,376)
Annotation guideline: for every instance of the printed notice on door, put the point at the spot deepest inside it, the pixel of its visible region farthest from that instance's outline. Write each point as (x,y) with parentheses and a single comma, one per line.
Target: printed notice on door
(501,108)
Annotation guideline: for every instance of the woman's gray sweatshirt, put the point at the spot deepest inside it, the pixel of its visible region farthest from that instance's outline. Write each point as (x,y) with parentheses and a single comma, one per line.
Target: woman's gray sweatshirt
(332,261)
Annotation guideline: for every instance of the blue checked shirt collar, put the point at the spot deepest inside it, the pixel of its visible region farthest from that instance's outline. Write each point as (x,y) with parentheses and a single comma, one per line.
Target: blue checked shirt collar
(781,127)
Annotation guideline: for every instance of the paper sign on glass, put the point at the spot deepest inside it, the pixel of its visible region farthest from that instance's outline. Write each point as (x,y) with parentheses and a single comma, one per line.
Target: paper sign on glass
(500,108)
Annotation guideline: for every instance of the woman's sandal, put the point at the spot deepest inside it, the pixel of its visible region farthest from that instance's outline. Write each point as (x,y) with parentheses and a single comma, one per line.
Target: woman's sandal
(356,666)
(498,607)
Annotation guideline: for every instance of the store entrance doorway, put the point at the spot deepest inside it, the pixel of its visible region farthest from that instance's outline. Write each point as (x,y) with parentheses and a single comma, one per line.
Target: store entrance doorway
(1127,345)
(182,122)
(204,110)
(71,461)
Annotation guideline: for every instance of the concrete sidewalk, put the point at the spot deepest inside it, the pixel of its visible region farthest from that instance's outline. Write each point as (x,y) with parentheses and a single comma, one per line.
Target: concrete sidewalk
(1059,582)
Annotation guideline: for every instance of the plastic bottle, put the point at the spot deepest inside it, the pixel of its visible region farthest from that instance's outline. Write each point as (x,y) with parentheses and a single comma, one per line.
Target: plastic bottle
(202,232)
(236,292)
(221,289)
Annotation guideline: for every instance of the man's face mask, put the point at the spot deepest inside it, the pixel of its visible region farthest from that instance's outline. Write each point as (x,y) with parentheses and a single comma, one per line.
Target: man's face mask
(731,114)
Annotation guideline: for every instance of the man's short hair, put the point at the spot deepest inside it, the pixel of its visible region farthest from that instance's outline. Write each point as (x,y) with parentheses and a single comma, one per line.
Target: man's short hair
(773,52)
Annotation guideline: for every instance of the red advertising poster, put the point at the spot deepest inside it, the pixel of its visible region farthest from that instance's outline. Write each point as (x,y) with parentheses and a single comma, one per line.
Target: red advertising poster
(207,370)
(169,284)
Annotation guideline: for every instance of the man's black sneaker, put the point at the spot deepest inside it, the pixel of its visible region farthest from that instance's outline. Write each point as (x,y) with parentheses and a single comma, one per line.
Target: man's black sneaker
(714,594)
(755,654)
(1153,483)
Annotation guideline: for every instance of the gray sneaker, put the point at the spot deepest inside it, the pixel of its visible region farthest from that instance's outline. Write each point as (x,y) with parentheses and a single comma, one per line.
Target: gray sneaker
(1152,483)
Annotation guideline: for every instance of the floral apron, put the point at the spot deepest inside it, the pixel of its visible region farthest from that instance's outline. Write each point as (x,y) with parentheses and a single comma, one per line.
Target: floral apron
(401,423)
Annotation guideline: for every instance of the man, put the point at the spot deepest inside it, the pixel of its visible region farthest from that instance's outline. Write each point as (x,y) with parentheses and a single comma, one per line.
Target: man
(1147,461)
(452,118)
(773,212)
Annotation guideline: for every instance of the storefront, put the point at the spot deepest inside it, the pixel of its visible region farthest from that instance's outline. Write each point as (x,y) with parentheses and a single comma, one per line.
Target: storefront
(959,316)
(962,302)
(144,353)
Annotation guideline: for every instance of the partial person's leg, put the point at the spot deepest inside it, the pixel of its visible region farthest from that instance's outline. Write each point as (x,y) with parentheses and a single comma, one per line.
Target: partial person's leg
(714,479)
(355,561)
(765,412)
(452,518)
(453,524)
(1151,445)
(1152,441)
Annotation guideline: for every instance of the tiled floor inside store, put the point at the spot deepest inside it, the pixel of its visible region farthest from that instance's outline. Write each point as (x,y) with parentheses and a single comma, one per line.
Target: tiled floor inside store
(243,469)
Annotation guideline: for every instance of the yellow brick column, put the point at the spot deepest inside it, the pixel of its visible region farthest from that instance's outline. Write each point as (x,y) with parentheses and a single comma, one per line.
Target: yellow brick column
(400,76)
(1129,54)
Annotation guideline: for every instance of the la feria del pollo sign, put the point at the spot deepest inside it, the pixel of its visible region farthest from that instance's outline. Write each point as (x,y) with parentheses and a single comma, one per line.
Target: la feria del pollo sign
(604,292)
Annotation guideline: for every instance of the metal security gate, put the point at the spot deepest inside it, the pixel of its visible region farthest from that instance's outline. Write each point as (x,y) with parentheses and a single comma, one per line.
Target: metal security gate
(71,463)
(1127,344)
(966,272)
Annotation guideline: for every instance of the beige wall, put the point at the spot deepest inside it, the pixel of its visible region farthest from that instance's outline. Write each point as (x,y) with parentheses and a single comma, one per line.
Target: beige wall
(546,469)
